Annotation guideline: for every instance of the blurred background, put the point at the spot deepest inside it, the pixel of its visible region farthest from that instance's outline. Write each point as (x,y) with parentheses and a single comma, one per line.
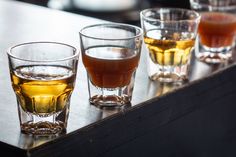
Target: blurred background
(124,11)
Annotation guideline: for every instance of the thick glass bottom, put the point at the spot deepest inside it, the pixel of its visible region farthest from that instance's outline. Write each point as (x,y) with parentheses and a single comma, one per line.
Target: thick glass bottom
(42,128)
(214,55)
(110,100)
(168,74)
(43,123)
(111,97)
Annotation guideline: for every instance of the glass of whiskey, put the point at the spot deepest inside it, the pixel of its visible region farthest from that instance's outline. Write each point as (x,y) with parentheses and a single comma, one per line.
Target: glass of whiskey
(43,77)
(217,30)
(110,54)
(169,35)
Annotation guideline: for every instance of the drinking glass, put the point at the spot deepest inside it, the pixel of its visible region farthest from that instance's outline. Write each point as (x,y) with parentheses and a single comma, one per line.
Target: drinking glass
(110,54)
(217,29)
(43,76)
(169,35)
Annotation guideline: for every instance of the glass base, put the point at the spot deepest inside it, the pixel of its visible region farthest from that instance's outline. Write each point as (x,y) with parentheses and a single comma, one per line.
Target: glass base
(43,128)
(109,100)
(169,78)
(43,124)
(214,55)
(171,74)
(111,97)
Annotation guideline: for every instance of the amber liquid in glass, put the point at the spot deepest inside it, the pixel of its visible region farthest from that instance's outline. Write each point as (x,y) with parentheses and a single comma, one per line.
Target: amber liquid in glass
(110,67)
(169,48)
(217,29)
(43,90)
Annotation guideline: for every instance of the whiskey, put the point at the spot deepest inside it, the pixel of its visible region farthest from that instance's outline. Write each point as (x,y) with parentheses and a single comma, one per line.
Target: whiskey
(43,90)
(217,29)
(169,48)
(110,67)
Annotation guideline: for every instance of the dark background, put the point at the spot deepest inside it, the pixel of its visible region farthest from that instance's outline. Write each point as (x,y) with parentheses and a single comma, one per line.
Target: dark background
(130,16)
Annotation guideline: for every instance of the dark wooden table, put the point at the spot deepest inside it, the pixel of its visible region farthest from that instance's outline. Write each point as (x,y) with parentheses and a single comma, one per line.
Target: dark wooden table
(141,129)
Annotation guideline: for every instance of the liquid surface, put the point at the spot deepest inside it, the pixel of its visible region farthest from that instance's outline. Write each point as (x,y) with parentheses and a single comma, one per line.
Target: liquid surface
(110,67)
(43,90)
(168,47)
(217,29)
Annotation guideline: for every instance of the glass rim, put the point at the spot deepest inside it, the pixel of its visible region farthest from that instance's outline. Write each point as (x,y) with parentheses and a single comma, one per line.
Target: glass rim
(196,17)
(139,34)
(10,54)
(205,5)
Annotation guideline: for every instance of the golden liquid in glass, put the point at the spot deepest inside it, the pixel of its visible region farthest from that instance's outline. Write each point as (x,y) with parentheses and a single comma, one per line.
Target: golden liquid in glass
(169,48)
(43,90)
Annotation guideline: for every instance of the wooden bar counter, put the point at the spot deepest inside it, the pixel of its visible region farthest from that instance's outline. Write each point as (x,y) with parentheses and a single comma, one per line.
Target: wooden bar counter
(197,119)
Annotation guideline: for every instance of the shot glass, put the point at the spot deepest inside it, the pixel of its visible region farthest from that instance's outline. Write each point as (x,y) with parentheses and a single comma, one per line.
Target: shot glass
(110,54)
(217,29)
(169,35)
(43,76)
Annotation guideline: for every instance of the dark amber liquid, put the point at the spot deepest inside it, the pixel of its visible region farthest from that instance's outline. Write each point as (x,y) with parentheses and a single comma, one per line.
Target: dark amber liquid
(217,29)
(110,67)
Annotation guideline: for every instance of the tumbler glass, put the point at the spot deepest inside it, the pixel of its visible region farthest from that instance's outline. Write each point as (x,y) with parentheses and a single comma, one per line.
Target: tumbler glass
(169,35)
(43,76)
(217,30)
(110,54)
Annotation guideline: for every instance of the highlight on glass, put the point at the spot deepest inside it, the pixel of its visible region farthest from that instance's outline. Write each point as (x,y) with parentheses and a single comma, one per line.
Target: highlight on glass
(43,77)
